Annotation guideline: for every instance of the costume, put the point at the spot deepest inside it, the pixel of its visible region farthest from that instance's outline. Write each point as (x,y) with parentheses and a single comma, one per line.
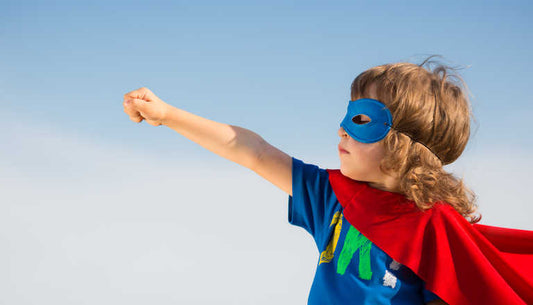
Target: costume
(460,262)
(350,268)
(379,124)
(368,121)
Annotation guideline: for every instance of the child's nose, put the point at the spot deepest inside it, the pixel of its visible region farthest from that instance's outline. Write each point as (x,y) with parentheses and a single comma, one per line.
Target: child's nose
(342,132)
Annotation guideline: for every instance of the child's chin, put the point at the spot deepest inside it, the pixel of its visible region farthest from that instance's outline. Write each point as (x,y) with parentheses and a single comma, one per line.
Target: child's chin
(347,173)
(353,175)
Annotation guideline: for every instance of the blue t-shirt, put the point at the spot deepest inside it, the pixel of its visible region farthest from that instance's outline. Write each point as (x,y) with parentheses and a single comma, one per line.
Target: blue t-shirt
(351,269)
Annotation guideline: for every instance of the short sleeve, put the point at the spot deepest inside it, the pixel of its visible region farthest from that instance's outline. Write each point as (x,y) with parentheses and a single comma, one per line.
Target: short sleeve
(313,202)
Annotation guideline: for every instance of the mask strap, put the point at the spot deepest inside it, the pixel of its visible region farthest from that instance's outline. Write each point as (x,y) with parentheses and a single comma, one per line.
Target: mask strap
(415,141)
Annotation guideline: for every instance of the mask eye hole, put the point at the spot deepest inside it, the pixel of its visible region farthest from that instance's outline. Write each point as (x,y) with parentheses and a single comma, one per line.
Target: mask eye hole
(361,119)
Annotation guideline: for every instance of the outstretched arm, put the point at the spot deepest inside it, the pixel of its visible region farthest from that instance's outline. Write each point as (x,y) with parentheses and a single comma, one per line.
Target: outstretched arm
(234,143)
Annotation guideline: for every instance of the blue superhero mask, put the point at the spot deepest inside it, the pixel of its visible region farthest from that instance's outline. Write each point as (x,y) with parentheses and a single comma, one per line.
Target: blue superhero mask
(364,131)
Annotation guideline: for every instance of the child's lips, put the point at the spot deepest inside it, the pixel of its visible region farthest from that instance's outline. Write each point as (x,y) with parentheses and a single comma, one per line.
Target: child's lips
(342,150)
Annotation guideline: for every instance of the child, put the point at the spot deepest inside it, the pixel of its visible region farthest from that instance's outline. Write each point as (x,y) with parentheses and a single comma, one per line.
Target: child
(391,226)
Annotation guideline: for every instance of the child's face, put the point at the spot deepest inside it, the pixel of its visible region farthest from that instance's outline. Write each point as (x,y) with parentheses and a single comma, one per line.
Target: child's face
(360,161)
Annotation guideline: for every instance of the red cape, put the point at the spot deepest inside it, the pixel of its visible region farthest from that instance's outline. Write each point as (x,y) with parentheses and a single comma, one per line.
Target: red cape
(462,263)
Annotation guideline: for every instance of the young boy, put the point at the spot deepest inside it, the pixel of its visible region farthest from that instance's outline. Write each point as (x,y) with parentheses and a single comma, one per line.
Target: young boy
(352,268)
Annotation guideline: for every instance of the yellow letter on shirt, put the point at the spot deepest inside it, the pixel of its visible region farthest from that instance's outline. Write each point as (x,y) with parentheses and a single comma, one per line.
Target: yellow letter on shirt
(327,255)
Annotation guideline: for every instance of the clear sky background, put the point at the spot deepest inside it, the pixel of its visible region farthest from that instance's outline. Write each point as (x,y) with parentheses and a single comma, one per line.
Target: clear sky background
(97,209)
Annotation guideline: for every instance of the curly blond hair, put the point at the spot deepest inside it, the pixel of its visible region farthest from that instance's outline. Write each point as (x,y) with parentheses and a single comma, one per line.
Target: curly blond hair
(431,127)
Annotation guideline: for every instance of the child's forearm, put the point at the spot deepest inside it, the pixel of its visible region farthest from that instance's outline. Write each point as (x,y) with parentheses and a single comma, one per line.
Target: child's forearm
(234,143)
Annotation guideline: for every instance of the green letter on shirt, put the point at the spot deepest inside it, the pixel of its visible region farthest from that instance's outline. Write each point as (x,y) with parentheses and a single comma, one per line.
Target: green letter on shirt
(354,241)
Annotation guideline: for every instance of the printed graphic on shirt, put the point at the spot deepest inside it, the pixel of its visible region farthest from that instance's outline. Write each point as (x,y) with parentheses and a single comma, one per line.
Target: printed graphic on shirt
(390,279)
(356,241)
(353,241)
(394,265)
(327,255)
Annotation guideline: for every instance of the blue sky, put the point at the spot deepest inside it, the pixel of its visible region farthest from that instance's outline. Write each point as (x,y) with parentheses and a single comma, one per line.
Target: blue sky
(250,63)
(280,68)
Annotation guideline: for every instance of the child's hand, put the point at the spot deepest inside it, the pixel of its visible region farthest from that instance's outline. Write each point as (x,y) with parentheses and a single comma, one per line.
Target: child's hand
(143,104)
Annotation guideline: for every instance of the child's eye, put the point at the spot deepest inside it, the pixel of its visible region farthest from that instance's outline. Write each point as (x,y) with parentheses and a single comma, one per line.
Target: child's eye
(361,119)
